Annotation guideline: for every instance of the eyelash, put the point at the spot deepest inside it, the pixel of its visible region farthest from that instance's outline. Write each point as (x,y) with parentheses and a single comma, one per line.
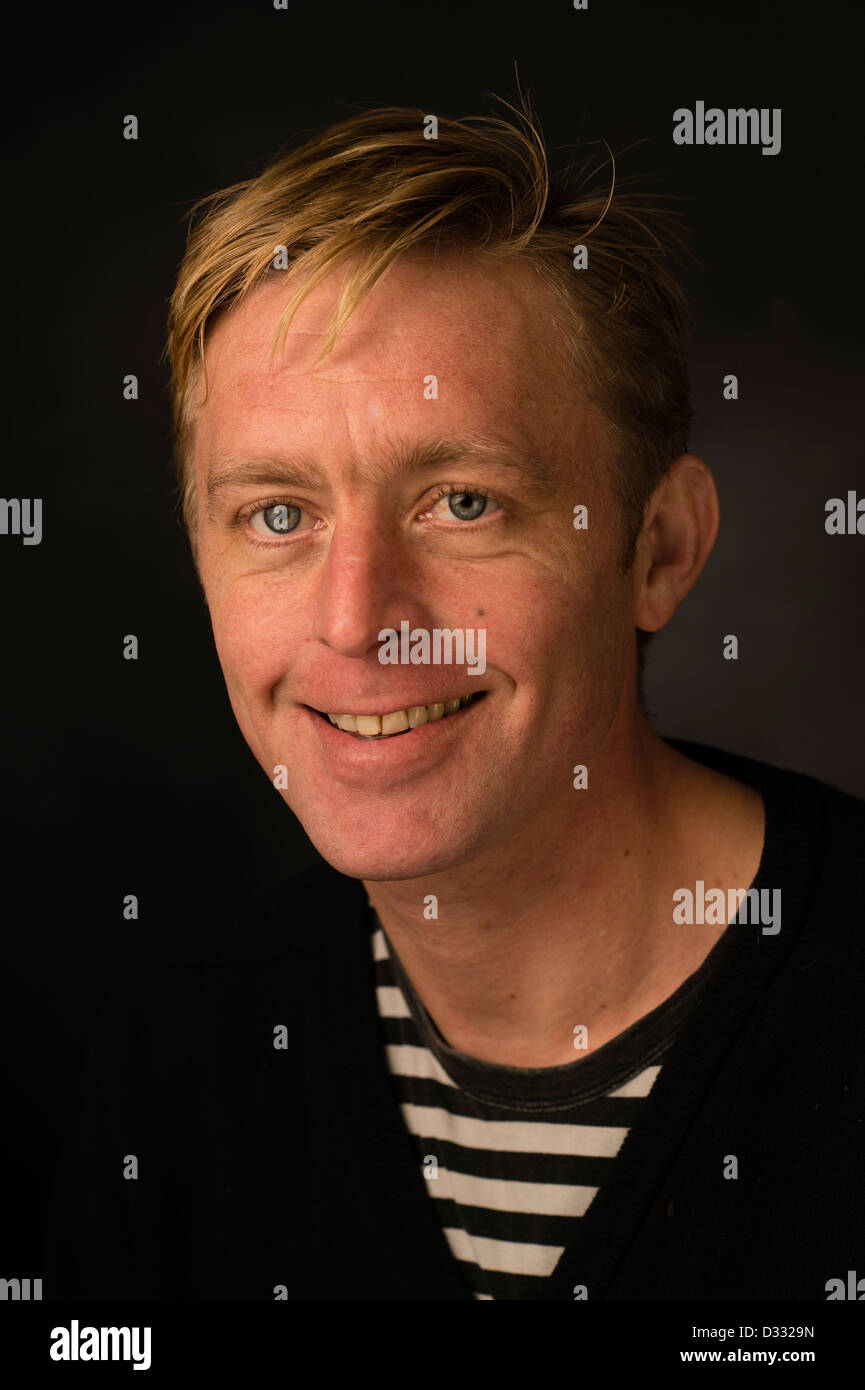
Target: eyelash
(444,490)
(454,490)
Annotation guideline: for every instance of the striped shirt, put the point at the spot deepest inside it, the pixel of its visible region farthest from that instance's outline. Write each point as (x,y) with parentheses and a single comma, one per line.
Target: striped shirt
(514,1156)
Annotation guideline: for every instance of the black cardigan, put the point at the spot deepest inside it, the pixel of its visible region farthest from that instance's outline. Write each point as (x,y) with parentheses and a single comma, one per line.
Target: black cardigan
(262,1168)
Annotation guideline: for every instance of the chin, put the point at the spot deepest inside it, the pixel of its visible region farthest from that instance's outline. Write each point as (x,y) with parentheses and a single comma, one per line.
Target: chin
(383,858)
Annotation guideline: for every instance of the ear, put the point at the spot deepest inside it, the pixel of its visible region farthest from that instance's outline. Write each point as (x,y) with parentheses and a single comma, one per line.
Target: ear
(679,530)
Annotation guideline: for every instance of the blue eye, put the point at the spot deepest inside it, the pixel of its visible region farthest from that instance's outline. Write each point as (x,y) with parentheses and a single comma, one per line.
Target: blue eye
(281,517)
(467,506)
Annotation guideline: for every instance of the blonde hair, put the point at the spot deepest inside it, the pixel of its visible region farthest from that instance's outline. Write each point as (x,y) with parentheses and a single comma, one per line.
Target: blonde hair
(373,187)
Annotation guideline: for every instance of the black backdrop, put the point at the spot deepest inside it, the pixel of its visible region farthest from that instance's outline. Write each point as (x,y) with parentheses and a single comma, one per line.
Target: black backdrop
(131,777)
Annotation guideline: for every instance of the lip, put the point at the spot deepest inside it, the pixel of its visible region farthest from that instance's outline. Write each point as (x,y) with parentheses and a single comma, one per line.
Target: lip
(411,749)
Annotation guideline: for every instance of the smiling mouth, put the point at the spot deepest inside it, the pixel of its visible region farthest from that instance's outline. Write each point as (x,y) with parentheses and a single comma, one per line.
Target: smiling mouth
(401,721)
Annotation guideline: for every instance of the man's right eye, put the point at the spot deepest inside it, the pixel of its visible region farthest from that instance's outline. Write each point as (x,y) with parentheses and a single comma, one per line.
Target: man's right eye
(276,520)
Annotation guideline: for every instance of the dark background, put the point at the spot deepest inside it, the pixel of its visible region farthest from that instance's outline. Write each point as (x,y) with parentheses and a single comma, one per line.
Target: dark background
(131,777)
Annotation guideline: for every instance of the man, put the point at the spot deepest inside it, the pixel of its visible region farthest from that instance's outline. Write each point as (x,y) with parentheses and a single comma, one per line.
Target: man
(577,1019)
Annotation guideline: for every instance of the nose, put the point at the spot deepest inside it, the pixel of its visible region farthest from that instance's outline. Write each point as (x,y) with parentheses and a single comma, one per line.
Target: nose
(365,585)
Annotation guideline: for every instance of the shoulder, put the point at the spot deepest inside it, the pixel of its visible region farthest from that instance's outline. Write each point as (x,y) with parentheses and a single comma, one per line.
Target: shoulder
(178,1006)
(815,845)
(805,798)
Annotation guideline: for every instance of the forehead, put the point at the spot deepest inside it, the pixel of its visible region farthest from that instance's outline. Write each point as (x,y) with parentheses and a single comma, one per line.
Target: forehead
(490,335)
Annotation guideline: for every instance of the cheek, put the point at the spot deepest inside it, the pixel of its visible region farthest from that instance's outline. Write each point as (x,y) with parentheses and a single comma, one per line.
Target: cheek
(571,635)
(538,614)
(251,639)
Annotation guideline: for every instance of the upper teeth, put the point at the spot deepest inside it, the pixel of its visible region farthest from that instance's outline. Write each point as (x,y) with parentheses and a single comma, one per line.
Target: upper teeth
(399,720)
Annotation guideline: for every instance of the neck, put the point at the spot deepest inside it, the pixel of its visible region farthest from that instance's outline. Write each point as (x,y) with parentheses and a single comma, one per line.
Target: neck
(568,921)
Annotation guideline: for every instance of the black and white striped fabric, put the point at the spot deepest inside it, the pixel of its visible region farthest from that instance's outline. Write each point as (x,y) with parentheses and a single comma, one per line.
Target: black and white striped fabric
(514,1156)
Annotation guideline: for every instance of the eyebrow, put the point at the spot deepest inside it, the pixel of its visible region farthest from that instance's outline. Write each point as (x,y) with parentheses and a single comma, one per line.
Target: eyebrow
(534,473)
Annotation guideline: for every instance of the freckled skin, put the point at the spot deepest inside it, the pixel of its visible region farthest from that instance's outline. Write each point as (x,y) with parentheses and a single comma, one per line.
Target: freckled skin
(297,623)
(558,625)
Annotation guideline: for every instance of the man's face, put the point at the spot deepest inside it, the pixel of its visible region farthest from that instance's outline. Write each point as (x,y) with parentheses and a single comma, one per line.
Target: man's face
(317,539)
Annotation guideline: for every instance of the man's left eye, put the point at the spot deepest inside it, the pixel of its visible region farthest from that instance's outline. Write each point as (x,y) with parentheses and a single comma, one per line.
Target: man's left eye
(469,506)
